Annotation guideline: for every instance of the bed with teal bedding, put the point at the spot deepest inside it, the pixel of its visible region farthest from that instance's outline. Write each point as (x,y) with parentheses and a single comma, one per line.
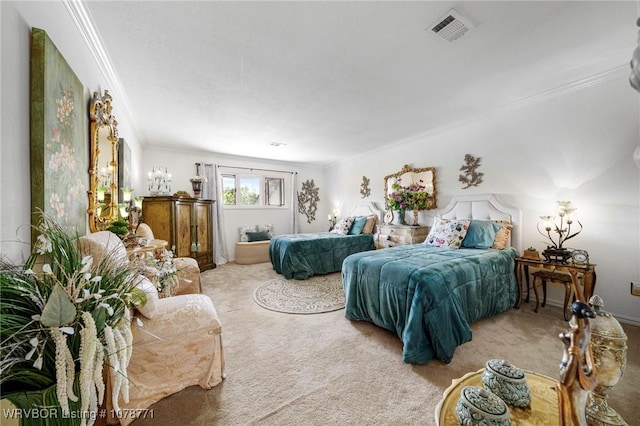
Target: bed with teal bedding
(429,296)
(301,256)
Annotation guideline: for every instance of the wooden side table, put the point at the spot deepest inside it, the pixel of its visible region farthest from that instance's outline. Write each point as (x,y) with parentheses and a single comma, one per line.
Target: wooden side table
(586,273)
(542,411)
(398,235)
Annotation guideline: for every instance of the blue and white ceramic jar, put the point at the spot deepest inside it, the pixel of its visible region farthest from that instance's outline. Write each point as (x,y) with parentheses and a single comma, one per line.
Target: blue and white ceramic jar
(480,407)
(507,381)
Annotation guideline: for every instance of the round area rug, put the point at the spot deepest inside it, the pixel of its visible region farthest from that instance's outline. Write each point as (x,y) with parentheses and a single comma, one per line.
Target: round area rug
(317,294)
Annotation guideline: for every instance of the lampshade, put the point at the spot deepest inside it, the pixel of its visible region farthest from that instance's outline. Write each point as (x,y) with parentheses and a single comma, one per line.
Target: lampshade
(123,210)
(137,202)
(126,194)
(100,191)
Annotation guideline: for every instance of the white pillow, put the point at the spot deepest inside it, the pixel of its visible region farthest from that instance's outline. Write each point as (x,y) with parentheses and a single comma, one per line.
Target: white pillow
(447,233)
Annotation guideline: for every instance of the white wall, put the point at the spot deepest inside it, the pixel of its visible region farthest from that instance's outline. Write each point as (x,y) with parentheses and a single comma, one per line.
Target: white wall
(181,165)
(17,19)
(575,145)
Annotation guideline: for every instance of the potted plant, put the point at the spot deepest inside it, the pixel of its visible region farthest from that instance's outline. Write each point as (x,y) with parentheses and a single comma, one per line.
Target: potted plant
(63,318)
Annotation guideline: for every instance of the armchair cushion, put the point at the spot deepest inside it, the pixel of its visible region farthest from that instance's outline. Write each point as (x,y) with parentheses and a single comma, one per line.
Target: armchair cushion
(150,308)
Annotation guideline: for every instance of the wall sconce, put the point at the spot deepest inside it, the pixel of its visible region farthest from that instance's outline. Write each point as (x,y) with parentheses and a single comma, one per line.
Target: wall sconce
(100,191)
(555,252)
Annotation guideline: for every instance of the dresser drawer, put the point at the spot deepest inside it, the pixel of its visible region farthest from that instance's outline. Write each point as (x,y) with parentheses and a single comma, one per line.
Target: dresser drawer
(397,235)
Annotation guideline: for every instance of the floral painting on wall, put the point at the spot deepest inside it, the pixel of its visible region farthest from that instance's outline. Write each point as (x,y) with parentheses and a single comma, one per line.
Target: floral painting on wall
(59,138)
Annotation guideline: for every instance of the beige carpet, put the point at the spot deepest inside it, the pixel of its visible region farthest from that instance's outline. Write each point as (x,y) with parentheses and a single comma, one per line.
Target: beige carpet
(323,369)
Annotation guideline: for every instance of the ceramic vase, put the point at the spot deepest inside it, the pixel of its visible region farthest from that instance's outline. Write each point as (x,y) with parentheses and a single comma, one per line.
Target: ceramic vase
(398,217)
(609,345)
(197,188)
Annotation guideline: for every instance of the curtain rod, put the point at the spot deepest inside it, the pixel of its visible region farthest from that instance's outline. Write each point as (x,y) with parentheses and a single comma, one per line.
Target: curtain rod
(257,169)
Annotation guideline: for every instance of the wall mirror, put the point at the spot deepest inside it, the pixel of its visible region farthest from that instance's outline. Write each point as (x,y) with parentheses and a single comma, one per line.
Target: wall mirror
(408,176)
(103,166)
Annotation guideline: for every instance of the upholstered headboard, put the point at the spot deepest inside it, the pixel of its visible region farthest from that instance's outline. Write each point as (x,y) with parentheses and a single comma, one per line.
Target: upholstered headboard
(367,209)
(486,207)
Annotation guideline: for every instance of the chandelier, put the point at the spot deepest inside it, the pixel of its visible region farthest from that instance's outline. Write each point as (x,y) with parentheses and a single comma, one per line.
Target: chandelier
(159,181)
(557,231)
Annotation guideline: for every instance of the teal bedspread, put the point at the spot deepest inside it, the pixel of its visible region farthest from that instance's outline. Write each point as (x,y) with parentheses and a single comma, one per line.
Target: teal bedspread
(428,295)
(300,256)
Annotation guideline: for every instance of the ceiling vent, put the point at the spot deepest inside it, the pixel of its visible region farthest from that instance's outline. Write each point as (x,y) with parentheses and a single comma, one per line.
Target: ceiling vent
(450,27)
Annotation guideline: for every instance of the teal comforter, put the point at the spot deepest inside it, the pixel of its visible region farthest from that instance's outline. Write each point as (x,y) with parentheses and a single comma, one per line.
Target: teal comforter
(300,256)
(428,295)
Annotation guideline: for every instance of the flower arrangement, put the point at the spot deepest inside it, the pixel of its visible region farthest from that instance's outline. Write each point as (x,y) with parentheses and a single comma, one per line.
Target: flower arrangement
(410,197)
(63,318)
(160,270)
(198,178)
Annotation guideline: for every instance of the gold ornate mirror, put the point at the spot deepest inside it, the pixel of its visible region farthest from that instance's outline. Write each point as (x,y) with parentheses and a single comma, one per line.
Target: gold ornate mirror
(103,168)
(413,180)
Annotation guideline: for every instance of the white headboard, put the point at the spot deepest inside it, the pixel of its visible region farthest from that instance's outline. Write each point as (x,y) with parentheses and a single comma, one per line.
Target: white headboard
(366,209)
(485,207)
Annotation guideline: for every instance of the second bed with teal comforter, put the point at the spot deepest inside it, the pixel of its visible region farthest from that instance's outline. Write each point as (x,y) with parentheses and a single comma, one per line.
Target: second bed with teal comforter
(427,295)
(300,256)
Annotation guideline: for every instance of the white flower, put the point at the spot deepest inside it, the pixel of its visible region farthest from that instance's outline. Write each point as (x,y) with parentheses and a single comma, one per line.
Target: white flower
(43,244)
(61,369)
(46,268)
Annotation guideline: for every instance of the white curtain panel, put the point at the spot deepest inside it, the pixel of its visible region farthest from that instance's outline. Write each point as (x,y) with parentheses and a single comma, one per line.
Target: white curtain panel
(295,225)
(213,191)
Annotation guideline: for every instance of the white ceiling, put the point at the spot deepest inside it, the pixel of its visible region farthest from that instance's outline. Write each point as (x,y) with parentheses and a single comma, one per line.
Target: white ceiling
(332,79)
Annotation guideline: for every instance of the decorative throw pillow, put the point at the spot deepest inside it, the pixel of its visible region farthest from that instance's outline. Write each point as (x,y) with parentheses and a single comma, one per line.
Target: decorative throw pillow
(243,232)
(258,236)
(370,224)
(481,234)
(447,233)
(343,226)
(358,225)
(503,236)
(266,228)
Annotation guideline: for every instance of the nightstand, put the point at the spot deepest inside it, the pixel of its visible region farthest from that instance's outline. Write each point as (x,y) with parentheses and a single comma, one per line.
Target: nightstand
(399,235)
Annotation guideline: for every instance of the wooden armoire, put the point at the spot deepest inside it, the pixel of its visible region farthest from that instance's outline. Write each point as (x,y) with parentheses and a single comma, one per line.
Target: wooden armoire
(186,223)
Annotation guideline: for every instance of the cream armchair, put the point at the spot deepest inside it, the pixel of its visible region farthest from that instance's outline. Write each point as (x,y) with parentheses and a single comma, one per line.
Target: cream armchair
(176,340)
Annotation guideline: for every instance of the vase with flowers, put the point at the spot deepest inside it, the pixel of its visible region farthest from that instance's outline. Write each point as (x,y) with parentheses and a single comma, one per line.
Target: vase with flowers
(409,197)
(63,320)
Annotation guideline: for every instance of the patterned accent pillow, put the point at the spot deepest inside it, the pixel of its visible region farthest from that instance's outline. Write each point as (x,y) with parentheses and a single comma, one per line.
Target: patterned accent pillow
(343,226)
(243,232)
(447,233)
(503,236)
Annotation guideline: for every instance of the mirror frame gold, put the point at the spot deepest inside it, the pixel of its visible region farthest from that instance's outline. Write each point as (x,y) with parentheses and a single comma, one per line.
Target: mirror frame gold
(102,120)
(408,169)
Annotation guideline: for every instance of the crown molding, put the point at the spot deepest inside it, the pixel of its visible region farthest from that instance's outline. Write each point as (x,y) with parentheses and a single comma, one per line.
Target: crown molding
(84,23)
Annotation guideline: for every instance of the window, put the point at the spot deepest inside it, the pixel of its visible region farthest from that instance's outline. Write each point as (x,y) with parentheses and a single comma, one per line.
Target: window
(252,190)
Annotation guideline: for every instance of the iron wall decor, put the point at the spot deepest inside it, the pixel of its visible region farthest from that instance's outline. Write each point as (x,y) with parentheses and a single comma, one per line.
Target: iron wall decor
(59,145)
(471,176)
(365,191)
(308,200)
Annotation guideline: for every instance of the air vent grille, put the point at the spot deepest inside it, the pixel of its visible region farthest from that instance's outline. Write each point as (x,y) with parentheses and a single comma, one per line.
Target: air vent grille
(450,27)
